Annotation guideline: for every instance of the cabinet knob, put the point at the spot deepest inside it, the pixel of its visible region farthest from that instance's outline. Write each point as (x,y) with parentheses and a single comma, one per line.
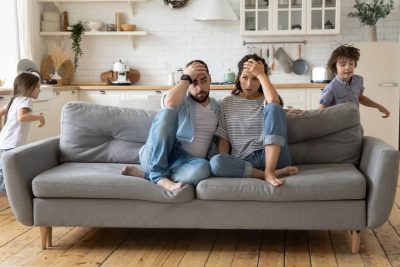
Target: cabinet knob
(73,92)
(57,93)
(102,92)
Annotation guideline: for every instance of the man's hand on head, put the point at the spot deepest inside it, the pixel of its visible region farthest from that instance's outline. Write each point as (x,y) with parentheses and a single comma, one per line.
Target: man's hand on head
(195,69)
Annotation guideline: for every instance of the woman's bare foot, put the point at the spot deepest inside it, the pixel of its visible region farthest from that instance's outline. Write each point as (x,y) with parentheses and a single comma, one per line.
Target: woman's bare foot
(132,171)
(272,179)
(289,170)
(169,185)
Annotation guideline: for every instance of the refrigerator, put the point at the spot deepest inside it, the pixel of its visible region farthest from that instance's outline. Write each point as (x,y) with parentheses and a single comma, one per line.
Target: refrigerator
(379,65)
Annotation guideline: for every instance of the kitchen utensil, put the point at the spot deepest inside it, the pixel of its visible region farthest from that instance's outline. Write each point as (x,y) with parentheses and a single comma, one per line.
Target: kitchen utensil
(108,76)
(94,26)
(321,74)
(128,27)
(300,66)
(273,65)
(121,68)
(229,76)
(284,60)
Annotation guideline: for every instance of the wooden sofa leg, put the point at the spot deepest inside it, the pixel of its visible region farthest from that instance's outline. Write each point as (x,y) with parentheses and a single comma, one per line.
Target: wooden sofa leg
(46,236)
(355,241)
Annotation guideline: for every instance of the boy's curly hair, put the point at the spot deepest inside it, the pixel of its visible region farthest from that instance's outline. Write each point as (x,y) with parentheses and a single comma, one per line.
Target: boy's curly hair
(343,51)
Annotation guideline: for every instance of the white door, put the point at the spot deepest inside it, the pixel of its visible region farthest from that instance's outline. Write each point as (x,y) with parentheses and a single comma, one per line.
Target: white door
(379,65)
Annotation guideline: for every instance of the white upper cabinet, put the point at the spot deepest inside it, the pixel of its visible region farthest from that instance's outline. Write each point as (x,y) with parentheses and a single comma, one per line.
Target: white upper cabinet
(323,17)
(289,17)
(255,17)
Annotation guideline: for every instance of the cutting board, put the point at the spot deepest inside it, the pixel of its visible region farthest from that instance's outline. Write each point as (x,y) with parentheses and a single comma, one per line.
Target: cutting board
(107,76)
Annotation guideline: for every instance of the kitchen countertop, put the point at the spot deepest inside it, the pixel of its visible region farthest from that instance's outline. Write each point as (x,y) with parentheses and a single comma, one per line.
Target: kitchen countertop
(167,87)
(99,86)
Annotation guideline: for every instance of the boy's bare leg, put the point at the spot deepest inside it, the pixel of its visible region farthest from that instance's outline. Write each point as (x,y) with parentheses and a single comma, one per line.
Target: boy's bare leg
(169,184)
(271,159)
(132,171)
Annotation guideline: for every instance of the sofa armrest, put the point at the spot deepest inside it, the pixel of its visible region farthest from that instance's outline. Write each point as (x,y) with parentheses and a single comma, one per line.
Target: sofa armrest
(380,166)
(20,166)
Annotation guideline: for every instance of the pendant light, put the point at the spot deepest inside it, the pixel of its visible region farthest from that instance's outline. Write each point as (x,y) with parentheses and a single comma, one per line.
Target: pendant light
(216,10)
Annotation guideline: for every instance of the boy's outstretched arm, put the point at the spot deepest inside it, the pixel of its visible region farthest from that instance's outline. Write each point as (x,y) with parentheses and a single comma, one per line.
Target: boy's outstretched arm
(366,101)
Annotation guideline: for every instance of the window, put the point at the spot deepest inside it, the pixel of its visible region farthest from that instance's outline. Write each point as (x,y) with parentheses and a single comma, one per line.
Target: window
(9,51)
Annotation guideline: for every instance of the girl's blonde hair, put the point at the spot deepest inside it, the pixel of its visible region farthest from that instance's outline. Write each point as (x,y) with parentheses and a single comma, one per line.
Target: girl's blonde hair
(24,85)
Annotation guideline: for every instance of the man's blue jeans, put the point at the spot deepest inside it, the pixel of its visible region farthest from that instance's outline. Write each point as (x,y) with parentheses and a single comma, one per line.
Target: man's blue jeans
(275,132)
(163,157)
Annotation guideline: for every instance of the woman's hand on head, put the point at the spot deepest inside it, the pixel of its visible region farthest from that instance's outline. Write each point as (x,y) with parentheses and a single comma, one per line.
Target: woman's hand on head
(253,67)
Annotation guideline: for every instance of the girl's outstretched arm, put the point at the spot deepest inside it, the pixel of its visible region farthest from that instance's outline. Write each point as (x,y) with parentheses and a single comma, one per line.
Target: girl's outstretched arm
(25,114)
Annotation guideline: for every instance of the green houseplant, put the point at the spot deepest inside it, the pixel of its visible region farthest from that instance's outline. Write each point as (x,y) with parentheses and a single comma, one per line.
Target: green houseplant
(369,13)
(76,35)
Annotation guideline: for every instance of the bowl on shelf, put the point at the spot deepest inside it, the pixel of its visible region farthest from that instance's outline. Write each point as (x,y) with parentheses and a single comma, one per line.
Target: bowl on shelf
(128,27)
(94,26)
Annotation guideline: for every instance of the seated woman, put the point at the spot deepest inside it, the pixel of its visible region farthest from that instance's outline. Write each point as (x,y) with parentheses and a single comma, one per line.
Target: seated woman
(252,128)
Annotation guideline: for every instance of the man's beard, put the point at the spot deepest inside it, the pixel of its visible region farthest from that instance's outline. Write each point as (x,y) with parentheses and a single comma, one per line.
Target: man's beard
(198,99)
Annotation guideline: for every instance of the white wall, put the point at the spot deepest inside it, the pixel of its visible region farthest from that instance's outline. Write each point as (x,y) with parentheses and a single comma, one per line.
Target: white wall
(174,38)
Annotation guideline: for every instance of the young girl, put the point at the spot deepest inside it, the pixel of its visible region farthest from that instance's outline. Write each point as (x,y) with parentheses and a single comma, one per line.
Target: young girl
(252,128)
(18,113)
(347,86)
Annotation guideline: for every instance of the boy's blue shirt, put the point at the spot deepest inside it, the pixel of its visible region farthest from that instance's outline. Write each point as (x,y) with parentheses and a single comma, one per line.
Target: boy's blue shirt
(338,91)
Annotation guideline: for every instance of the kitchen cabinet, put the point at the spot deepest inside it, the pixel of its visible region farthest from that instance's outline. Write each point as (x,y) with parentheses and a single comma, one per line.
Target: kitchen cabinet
(4,99)
(60,98)
(143,99)
(35,133)
(102,97)
(289,17)
(312,98)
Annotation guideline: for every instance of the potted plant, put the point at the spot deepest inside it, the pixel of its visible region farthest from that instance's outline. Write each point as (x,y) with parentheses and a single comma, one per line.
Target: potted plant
(76,34)
(370,13)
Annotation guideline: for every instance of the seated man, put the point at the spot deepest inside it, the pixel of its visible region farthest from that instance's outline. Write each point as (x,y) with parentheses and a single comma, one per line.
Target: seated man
(181,134)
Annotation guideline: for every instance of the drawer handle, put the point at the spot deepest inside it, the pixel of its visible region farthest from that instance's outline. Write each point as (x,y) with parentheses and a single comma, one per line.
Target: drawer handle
(57,93)
(388,84)
(1,98)
(73,92)
(102,92)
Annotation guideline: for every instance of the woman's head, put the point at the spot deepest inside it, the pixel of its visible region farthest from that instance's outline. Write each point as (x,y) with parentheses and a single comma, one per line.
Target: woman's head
(243,79)
(27,84)
(346,52)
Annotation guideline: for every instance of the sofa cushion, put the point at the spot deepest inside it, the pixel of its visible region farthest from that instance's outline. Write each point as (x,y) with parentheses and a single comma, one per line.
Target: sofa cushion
(96,133)
(330,135)
(316,182)
(101,180)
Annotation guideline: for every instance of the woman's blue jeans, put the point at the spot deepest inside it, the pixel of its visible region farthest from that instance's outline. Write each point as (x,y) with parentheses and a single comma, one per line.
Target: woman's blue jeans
(275,132)
(163,157)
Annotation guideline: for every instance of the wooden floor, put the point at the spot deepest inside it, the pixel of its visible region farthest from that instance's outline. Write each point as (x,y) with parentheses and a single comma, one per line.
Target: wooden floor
(111,247)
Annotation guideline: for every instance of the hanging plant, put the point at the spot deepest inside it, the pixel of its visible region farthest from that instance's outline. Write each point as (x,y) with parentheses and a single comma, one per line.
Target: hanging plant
(370,13)
(76,35)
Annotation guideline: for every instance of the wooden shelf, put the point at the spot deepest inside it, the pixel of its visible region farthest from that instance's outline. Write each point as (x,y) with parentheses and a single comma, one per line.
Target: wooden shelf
(66,1)
(99,33)
(131,35)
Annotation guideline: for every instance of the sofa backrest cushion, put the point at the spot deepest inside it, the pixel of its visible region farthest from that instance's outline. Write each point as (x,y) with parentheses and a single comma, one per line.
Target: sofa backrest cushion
(96,133)
(329,135)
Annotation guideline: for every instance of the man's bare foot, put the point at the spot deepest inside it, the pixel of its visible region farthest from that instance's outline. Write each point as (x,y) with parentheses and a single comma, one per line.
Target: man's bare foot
(289,170)
(169,185)
(132,171)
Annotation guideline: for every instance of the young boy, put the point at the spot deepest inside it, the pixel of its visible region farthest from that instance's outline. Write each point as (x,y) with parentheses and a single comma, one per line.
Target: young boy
(346,86)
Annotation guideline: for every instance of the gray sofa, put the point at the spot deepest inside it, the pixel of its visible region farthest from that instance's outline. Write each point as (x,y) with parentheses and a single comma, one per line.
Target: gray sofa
(347,182)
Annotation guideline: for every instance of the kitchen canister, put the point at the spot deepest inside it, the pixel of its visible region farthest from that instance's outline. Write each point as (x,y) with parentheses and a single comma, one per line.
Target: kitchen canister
(229,76)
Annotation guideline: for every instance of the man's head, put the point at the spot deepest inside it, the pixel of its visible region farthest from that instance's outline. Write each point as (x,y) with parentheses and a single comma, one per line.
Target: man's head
(200,88)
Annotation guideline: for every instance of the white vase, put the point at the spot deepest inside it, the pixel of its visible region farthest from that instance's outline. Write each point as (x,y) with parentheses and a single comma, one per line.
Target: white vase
(372,35)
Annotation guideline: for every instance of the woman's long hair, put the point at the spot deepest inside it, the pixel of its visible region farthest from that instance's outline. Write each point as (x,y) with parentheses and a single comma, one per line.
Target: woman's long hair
(238,88)
(24,85)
